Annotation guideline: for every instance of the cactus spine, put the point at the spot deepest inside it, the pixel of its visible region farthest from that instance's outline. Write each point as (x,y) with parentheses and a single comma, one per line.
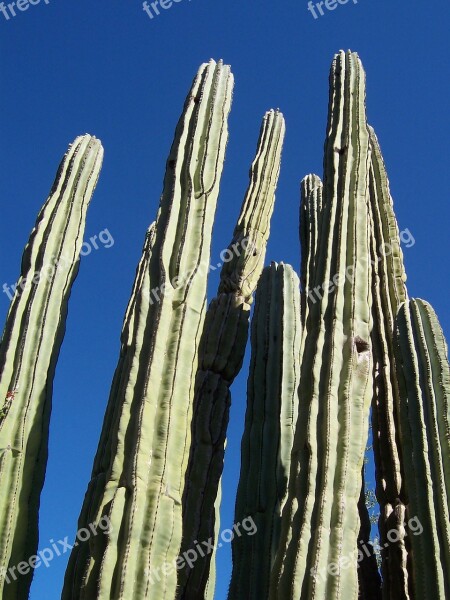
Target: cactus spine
(29,351)
(320,521)
(424,381)
(272,409)
(139,482)
(222,351)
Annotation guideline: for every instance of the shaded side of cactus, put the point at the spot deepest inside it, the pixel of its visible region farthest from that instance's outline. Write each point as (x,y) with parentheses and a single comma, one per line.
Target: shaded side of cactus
(320,522)
(139,471)
(272,409)
(388,291)
(29,350)
(424,380)
(222,349)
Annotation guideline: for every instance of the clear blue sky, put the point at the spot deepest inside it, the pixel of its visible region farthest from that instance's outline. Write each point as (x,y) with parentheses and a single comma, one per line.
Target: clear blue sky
(104,67)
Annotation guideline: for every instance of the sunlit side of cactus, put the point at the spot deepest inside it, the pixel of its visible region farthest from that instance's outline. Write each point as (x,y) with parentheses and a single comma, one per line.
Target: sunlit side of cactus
(29,350)
(320,521)
(424,380)
(138,480)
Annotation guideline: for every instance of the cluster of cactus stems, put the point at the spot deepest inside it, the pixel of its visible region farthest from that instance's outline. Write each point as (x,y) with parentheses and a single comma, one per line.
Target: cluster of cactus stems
(330,349)
(222,350)
(29,349)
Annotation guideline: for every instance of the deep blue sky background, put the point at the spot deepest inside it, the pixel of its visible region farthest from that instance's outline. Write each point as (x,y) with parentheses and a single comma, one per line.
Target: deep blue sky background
(104,67)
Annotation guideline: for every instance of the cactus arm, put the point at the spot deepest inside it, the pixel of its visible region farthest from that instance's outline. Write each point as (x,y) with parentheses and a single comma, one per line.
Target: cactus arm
(389,291)
(310,211)
(424,380)
(142,478)
(272,408)
(320,522)
(222,351)
(29,351)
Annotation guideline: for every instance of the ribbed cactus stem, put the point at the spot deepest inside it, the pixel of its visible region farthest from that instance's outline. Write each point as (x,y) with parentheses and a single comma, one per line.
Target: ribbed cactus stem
(222,351)
(131,346)
(310,212)
(389,291)
(138,483)
(320,522)
(272,409)
(424,380)
(29,351)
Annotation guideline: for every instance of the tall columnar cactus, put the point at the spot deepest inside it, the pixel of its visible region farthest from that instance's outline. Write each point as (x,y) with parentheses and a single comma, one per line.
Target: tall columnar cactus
(272,409)
(320,521)
(222,351)
(424,380)
(389,291)
(29,351)
(139,471)
(310,222)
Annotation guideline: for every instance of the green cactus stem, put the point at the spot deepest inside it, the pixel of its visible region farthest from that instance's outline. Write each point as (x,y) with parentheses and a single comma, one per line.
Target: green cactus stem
(272,409)
(138,482)
(388,291)
(424,380)
(320,522)
(221,354)
(29,351)
(310,212)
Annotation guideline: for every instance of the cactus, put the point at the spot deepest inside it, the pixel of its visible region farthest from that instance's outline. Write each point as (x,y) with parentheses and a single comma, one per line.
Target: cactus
(138,482)
(222,349)
(131,345)
(424,381)
(388,291)
(320,521)
(272,408)
(29,350)
(310,222)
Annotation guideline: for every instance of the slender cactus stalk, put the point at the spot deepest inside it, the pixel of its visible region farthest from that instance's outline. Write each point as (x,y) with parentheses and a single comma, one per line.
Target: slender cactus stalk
(131,347)
(29,351)
(310,222)
(222,351)
(272,409)
(320,522)
(138,480)
(424,380)
(389,291)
